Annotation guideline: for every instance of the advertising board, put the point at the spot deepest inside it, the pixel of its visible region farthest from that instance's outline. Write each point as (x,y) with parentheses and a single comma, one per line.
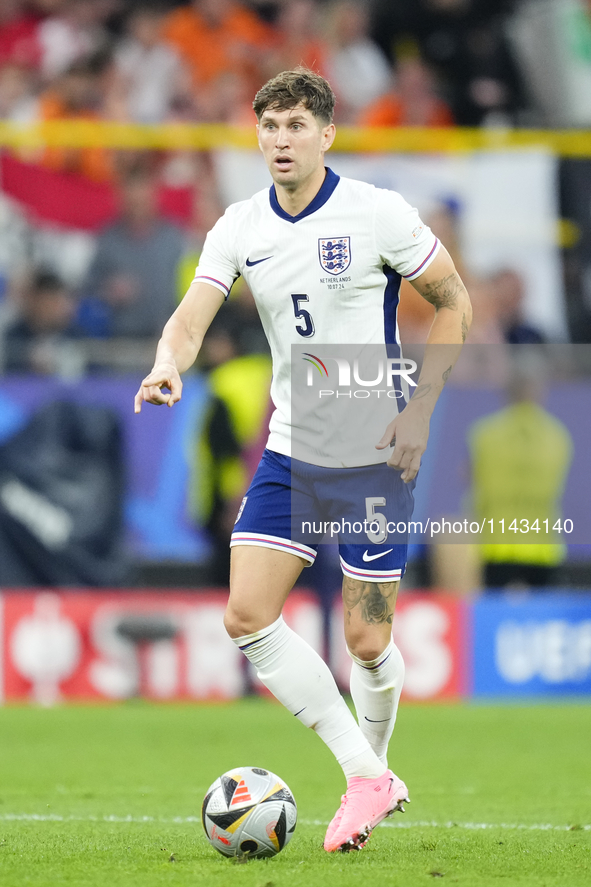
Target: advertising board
(531,646)
(111,645)
(171,645)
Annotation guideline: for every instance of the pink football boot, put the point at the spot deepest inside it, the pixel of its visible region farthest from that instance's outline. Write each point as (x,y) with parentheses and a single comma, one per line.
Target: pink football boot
(365,803)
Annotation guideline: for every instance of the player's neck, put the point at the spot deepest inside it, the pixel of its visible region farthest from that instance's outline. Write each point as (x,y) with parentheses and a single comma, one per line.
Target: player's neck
(295,201)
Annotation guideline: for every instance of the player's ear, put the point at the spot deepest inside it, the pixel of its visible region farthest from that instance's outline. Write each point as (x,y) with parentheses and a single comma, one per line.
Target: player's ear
(258,128)
(328,136)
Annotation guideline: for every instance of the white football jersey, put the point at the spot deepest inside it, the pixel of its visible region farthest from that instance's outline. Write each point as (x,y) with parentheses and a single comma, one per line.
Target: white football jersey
(328,276)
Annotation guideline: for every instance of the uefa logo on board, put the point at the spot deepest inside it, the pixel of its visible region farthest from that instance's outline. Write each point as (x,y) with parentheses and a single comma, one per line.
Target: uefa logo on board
(334,254)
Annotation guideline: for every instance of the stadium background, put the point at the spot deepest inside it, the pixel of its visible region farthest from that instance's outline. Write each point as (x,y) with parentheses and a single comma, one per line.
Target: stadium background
(125,129)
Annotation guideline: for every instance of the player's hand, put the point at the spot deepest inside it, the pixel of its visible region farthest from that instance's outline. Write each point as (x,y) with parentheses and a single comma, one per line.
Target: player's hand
(151,390)
(408,433)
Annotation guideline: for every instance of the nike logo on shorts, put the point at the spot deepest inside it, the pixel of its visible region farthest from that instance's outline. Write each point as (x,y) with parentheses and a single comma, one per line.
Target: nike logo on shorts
(257,261)
(372,557)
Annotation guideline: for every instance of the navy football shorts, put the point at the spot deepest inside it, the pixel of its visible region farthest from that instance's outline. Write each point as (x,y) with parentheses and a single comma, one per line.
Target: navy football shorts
(293,506)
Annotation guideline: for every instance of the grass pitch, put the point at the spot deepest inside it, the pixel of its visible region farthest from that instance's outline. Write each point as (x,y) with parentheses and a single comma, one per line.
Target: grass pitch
(111,796)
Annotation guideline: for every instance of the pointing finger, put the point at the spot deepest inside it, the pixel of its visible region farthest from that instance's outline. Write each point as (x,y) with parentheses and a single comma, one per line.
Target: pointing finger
(138,401)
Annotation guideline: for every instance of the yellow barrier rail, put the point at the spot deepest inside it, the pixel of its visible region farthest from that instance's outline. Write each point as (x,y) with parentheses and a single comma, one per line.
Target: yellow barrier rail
(203,137)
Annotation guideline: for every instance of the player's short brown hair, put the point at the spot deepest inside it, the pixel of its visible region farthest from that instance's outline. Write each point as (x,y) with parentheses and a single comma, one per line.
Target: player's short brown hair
(291,88)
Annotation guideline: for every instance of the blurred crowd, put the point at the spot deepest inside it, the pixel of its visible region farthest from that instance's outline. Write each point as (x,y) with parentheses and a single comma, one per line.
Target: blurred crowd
(409,62)
(414,62)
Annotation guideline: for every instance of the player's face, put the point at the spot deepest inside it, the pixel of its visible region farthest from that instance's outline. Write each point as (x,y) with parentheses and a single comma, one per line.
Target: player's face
(293,143)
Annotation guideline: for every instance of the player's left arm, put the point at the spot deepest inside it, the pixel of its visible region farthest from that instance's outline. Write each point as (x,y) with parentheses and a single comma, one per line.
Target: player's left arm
(441,285)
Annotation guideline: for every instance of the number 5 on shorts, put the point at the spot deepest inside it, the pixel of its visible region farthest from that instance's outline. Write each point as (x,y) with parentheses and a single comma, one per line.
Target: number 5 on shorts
(375,518)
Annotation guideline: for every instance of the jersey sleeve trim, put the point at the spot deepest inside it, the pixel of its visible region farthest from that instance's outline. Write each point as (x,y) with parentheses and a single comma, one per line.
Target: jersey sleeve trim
(425,263)
(217,283)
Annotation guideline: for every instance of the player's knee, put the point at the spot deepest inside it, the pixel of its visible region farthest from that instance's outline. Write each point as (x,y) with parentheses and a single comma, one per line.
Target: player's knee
(368,652)
(234,624)
(366,648)
(239,623)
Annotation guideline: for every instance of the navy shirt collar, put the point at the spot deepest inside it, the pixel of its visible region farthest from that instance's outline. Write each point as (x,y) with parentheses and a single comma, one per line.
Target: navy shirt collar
(331,180)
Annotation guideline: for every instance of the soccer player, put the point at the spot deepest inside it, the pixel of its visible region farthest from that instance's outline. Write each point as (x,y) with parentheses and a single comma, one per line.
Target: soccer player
(280,241)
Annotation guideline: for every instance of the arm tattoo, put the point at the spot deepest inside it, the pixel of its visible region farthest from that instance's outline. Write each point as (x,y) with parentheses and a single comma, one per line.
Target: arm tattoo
(443,293)
(375,599)
(465,328)
(445,376)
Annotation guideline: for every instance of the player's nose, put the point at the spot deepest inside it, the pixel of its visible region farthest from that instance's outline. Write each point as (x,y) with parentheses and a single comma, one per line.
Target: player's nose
(282,140)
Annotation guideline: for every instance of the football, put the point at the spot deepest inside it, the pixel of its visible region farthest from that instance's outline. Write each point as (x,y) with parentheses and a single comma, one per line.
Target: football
(249,811)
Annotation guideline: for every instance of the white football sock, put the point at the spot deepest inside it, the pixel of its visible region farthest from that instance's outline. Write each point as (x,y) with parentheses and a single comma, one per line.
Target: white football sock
(298,677)
(376,688)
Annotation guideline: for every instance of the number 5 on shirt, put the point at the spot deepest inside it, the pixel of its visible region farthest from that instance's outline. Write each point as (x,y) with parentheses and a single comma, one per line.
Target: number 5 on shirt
(307,329)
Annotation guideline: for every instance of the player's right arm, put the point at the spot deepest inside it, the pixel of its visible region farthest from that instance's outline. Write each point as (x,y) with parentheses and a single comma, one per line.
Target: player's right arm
(179,345)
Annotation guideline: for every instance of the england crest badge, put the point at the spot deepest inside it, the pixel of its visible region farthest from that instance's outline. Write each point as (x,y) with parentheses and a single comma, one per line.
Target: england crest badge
(334,254)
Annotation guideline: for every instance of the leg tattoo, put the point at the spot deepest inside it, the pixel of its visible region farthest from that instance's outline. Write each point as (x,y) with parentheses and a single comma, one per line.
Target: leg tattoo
(376,600)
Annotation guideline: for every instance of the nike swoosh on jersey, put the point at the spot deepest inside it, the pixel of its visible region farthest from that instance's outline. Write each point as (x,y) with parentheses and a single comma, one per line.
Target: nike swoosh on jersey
(372,557)
(257,261)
